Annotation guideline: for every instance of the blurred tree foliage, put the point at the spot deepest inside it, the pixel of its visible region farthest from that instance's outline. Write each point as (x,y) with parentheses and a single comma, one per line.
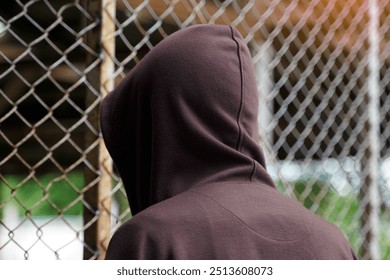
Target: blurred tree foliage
(51,194)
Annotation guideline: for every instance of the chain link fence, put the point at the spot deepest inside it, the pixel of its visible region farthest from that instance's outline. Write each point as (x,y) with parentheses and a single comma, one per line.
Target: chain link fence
(324,83)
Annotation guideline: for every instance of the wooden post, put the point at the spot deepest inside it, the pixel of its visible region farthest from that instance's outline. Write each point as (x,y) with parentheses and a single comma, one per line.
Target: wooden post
(107,85)
(98,171)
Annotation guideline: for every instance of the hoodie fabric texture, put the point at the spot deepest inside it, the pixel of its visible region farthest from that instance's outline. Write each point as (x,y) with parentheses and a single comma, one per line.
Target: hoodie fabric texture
(183,133)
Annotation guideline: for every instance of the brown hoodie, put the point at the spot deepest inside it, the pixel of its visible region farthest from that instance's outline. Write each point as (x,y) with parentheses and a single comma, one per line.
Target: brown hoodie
(182,131)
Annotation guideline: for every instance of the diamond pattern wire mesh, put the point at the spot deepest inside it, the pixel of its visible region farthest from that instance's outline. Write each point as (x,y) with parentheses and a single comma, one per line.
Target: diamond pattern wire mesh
(313,66)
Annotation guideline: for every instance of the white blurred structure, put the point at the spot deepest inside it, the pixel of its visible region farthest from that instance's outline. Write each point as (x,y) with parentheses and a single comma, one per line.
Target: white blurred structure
(62,237)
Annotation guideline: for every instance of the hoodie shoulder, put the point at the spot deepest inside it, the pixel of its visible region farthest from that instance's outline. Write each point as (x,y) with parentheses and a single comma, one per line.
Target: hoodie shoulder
(137,239)
(330,243)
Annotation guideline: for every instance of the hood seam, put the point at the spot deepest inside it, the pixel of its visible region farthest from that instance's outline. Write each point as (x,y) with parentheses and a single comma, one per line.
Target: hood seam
(240,62)
(242,102)
(253,170)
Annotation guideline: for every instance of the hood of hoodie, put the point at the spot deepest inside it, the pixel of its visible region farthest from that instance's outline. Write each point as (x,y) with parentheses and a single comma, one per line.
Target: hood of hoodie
(186,115)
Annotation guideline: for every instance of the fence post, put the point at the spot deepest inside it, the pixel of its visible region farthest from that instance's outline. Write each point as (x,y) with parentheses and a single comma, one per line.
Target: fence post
(98,173)
(369,192)
(262,60)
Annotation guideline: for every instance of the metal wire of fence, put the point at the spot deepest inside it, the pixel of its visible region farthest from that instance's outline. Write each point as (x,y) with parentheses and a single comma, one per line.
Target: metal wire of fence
(324,83)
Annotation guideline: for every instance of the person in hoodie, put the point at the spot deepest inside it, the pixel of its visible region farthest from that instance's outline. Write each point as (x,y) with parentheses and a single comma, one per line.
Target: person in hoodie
(183,133)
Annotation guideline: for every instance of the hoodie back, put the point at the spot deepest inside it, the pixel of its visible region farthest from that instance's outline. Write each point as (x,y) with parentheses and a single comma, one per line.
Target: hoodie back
(182,131)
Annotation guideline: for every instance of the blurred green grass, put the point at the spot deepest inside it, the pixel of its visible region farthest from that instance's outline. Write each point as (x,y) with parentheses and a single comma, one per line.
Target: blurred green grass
(341,210)
(55,194)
